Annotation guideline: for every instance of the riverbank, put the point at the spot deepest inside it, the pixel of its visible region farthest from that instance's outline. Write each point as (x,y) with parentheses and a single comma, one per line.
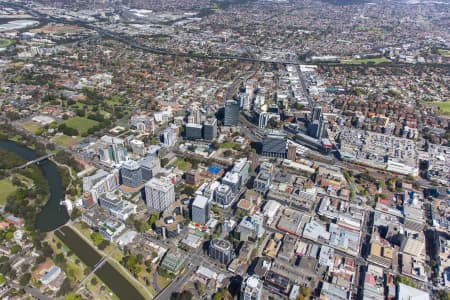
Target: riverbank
(111,273)
(38,203)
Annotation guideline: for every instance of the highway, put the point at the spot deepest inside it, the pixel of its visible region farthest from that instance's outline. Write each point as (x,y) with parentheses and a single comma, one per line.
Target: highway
(134,44)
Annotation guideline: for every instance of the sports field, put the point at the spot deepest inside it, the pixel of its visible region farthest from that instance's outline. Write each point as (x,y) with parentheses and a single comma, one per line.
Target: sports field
(80,123)
(6,189)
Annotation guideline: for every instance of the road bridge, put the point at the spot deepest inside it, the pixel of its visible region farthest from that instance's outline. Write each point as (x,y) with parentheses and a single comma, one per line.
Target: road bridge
(34,161)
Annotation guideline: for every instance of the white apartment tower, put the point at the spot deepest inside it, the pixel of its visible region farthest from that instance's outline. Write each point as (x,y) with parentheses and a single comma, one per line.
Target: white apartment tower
(159,193)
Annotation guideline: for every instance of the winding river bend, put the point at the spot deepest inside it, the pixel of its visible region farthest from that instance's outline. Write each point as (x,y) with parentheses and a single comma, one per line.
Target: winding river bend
(52,214)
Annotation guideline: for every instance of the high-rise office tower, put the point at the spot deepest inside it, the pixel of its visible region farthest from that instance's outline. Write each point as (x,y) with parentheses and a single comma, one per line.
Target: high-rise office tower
(131,174)
(210,129)
(193,131)
(231,117)
(316,113)
(221,250)
(200,210)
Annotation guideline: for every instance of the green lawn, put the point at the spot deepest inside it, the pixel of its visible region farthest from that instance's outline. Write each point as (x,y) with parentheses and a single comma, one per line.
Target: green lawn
(80,123)
(65,141)
(6,189)
(25,180)
(227,145)
(163,281)
(182,164)
(444,106)
(31,126)
(5,43)
(115,100)
(444,52)
(360,61)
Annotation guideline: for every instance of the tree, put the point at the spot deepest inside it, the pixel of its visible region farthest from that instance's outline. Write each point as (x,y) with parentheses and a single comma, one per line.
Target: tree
(142,226)
(153,218)
(96,238)
(24,279)
(131,263)
(164,162)
(60,259)
(199,287)
(227,153)
(47,251)
(189,190)
(442,295)
(9,235)
(72,296)
(76,213)
(15,249)
(305,292)
(94,281)
(184,295)
(40,259)
(215,145)
(406,280)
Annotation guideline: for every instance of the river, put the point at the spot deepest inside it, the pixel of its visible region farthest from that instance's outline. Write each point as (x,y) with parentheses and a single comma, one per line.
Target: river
(52,215)
(90,257)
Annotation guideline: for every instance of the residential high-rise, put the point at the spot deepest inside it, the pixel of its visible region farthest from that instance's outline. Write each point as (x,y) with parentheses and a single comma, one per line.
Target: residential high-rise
(262,182)
(196,116)
(263,119)
(200,210)
(221,250)
(113,150)
(231,117)
(168,137)
(142,123)
(274,144)
(131,174)
(210,129)
(252,289)
(241,167)
(233,181)
(150,166)
(160,193)
(254,161)
(251,227)
(223,195)
(138,147)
